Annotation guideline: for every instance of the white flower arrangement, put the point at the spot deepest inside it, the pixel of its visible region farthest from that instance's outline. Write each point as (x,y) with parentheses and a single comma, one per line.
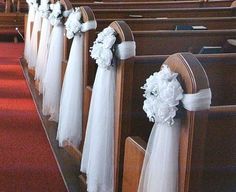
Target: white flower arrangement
(102,50)
(57,14)
(73,24)
(33,3)
(163,93)
(44,8)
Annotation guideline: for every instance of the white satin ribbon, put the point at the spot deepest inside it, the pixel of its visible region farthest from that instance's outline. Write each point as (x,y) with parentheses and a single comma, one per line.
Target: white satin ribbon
(125,50)
(89,25)
(197,101)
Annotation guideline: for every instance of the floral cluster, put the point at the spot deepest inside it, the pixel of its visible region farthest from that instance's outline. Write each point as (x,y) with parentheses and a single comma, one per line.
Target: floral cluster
(163,93)
(57,14)
(102,50)
(33,3)
(73,24)
(44,8)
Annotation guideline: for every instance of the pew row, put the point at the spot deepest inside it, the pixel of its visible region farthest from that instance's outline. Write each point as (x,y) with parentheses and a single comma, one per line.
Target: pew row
(143,24)
(165,12)
(219,154)
(89,89)
(165,43)
(152,5)
(161,24)
(8,24)
(23,7)
(125,113)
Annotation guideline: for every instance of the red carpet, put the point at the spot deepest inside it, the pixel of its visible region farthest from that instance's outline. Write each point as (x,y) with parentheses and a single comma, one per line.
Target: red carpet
(27,163)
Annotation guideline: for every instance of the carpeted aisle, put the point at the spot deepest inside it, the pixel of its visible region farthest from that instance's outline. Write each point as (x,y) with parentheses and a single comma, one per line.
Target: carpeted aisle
(27,163)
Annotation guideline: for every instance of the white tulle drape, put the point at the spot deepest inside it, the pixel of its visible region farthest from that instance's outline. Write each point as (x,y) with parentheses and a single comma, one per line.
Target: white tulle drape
(70,116)
(42,57)
(98,151)
(52,78)
(34,40)
(31,15)
(160,166)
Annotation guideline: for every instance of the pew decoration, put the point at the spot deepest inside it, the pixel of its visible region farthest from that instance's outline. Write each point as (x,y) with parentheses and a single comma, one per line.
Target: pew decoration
(52,78)
(34,39)
(57,13)
(163,93)
(31,14)
(43,44)
(70,116)
(98,152)
(44,8)
(102,47)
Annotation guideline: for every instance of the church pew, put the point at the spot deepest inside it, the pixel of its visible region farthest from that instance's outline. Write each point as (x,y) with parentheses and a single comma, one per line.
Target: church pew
(127,13)
(23,7)
(168,42)
(219,144)
(164,24)
(152,5)
(126,1)
(140,50)
(8,24)
(131,122)
(171,23)
(124,116)
(165,12)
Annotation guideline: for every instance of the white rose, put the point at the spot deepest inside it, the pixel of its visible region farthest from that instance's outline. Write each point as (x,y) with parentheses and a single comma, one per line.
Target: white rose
(75,26)
(100,37)
(69,34)
(96,50)
(150,107)
(109,41)
(108,31)
(78,14)
(105,58)
(51,6)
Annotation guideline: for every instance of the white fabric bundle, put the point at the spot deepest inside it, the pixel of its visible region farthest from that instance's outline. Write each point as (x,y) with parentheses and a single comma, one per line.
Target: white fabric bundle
(34,40)
(98,152)
(42,57)
(70,121)
(163,93)
(43,43)
(52,79)
(31,15)
(70,116)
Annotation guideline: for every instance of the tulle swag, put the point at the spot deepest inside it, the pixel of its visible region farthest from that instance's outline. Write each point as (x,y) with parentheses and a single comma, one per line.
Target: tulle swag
(57,14)
(103,47)
(163,93)
(100,171)
(44,8)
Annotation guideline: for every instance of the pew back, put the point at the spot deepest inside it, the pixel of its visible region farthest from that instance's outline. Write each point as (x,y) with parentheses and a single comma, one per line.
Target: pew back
(165,13)
(153,4)
(220,129)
